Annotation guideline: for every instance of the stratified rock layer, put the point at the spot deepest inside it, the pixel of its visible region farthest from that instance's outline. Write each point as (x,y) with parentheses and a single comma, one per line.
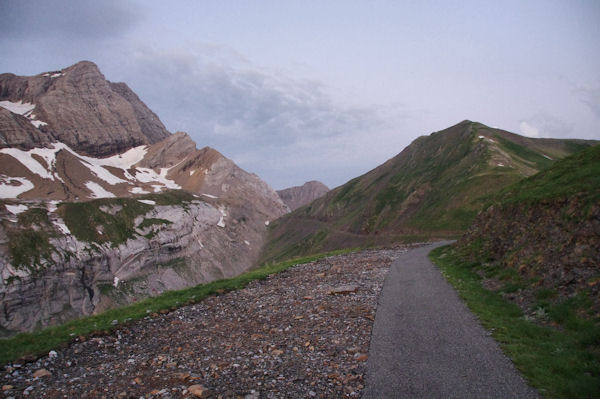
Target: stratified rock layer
(83,110)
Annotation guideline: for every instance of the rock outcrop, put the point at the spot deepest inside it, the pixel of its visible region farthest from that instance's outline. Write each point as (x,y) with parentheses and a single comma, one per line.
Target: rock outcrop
(79,107)
(295,197)
(101,206)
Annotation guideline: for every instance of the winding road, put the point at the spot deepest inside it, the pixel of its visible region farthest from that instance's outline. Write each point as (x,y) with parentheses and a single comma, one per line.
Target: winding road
(427,344)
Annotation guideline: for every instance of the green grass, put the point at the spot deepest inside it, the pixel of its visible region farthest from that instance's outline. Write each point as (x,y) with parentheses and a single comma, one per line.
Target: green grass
(525,153)
(85,220)
(578,173)
(560,362)
(40,342)
(29,246)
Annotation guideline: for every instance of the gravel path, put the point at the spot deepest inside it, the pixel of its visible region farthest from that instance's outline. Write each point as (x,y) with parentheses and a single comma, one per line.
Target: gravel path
(427,344)
(301,333)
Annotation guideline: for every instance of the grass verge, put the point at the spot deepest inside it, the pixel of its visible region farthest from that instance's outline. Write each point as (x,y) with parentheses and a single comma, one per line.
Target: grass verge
(561,362)
(38,343)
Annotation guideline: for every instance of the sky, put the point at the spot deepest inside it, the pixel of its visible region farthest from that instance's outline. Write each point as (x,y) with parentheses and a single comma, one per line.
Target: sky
(326,90)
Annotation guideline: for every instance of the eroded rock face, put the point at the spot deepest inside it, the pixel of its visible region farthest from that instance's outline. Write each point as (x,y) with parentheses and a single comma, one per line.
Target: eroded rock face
(101,206)
(295,197)
(79,107)
(174,246)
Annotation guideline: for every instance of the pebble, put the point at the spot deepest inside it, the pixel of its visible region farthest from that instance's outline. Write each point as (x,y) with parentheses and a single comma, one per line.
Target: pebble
(303,332)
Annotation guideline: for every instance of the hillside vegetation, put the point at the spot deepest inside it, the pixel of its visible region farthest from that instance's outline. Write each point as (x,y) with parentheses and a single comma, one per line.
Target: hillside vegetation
(433,189)
(543,235)
(529,267)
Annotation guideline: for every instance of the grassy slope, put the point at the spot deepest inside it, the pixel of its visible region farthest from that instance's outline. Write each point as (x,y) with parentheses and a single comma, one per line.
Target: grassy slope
(560,363)
(434,188)
(40,342)
(579,173)
(560,354)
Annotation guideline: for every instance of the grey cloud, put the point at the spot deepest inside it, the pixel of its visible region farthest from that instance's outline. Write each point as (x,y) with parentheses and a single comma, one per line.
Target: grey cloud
(260,118)
(226,101)
(71,19)
(590,97)
(546,125)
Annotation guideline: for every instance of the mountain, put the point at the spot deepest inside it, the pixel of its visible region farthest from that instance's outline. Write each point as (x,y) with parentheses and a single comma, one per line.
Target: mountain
(297,196)
(546,230)
(433,189)
(100,205)
(78,107)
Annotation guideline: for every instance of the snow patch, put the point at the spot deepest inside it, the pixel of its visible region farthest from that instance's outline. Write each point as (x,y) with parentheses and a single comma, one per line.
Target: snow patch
(37,123)
(25,109)
(209,196)
(221,222)
(16,209)
(546,156)
(62,227)
(481,137)
(267,223)
(192,172)
(146,175)
(98,191)
(52,206)
(8,190)
(122,161)
(116,282)
(19,107)
(500,164)
(138,190)
(246,242)
(149,202)
(26,158)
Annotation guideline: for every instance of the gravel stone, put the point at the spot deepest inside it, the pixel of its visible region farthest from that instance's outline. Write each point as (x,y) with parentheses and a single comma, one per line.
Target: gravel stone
(282,337)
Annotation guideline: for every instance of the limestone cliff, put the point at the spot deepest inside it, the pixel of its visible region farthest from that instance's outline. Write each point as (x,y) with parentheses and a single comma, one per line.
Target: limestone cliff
(79,107)
(101,206)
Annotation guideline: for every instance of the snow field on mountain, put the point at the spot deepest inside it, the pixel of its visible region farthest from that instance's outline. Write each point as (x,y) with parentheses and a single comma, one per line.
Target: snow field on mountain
(97,166)
(24,109)
(9,190)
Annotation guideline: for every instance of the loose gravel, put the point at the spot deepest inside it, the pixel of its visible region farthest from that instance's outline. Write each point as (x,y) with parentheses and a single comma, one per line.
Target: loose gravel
(301,333)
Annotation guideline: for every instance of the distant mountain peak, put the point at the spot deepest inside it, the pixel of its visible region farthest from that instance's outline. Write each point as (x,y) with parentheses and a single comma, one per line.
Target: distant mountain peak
(295,197)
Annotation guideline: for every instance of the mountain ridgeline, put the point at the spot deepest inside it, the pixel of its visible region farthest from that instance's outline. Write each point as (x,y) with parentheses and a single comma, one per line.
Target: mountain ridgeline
(433,189)
(101,206)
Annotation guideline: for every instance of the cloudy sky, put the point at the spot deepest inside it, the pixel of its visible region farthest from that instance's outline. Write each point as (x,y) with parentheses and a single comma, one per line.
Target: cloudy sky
(326,90)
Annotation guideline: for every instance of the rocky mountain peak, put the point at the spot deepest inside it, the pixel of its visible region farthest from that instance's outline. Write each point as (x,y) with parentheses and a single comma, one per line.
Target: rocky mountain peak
(295,197)
(79,107)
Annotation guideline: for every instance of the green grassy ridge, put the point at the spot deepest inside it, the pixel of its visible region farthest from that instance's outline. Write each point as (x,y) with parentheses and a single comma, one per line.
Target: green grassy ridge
(38,343)
(435,187)
(578,173)
(560,363)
